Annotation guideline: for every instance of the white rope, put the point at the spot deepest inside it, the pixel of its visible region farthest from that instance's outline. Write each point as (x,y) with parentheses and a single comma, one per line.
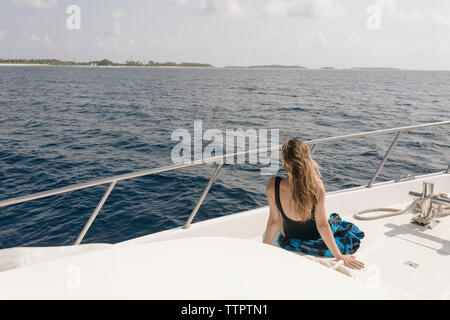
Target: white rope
(332,264)
(438,210)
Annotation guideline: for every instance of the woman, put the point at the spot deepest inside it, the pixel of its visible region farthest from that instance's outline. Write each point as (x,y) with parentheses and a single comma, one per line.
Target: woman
(297,204)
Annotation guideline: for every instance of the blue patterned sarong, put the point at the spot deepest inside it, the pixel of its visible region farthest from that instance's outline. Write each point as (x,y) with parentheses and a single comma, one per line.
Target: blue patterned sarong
(346,234)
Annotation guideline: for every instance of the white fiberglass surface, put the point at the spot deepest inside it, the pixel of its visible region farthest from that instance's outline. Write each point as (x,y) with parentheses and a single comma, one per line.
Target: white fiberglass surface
(192,268)
(403,260)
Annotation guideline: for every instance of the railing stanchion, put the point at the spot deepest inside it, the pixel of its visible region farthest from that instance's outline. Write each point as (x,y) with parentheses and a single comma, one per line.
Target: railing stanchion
(205,192)
(314,148)
(94,214)
(386,156)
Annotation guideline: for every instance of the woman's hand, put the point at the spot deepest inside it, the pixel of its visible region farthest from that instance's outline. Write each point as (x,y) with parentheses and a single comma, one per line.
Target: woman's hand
(351,262)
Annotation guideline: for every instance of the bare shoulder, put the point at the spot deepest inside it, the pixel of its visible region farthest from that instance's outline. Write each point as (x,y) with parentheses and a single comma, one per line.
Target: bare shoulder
(270,186)
(320,188)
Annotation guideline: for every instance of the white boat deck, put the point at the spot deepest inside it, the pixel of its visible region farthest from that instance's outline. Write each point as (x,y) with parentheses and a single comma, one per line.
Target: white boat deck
(225,258)
(412,261)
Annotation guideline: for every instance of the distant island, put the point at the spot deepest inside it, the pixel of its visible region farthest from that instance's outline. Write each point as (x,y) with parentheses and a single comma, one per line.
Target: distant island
(374,68)
(269,66)
(104,63)
(167,64)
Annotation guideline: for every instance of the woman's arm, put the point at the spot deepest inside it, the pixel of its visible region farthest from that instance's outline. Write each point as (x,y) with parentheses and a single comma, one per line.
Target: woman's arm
(274,221)
(327,235)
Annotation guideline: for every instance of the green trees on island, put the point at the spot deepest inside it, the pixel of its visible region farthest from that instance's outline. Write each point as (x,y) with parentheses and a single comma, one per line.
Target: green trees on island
(104,62)
(174,64)
(53,62)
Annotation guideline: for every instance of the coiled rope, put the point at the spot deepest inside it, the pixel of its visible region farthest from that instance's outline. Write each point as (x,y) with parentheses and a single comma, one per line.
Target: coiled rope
(438,210)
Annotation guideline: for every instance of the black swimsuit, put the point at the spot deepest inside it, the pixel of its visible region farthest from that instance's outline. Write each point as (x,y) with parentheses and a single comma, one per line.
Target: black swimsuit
(306,230)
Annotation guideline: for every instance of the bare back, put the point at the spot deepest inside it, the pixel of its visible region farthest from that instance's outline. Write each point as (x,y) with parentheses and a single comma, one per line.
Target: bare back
(287,203)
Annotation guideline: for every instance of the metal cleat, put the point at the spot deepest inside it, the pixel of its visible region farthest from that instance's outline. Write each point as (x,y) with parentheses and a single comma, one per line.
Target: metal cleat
(424,207)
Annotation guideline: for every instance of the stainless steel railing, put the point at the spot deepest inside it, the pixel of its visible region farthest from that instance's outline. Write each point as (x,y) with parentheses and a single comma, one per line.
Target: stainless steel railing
(220,160)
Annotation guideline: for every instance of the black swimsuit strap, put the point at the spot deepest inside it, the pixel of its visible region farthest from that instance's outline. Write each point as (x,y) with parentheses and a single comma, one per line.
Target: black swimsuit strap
(277,195)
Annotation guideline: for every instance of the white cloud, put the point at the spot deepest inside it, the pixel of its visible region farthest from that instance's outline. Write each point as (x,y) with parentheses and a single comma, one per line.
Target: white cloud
(38,4)
(2,34)
(415,17)
(35,37)
(434,18)
(116,39)
(372,47)
(47,39)
(312,43)
(292,8)
(117,14)
(232,7)
(421,48)
(72,45)
(386,6)
(437,19)
(180,2)
(321,40)
(356,40)
(228,7)
(443,47)
(173,43)
(304,8)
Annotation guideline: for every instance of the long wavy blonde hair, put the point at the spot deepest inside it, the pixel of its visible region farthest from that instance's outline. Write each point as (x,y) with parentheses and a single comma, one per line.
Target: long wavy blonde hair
(302,173)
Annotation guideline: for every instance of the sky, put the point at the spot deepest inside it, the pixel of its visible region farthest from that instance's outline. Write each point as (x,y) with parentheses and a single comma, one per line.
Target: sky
(407,34)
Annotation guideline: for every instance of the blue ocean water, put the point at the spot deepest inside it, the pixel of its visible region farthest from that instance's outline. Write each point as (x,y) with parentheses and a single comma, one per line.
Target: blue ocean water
(66,125)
